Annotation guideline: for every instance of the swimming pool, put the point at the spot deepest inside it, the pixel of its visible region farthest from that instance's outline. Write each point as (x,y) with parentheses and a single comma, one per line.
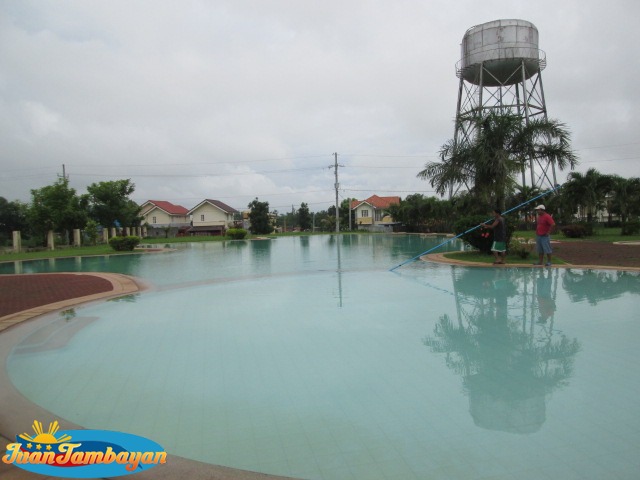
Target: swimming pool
(306,357)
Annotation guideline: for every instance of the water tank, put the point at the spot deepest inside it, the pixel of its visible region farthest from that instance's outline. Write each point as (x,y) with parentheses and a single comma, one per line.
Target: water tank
(500,47)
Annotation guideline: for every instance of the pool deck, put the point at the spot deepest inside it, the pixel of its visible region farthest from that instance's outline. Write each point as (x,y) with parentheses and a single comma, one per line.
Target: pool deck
(62,291)
(440,258)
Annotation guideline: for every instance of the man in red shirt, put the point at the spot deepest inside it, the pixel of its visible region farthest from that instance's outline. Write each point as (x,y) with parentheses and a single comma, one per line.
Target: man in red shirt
(544,226)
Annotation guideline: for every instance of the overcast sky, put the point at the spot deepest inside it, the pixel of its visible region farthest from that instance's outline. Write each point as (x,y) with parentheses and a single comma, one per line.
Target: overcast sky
(237,99)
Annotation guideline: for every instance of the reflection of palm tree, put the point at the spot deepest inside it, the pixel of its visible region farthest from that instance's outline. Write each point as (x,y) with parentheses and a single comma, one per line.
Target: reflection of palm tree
(507,369)
(595,286)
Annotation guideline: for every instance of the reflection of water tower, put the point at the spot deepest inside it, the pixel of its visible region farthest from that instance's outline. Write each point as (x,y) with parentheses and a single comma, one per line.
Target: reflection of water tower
(500,69)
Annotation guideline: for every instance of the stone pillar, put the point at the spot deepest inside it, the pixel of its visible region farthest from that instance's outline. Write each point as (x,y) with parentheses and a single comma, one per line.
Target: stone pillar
(113,232)
(17,241)
(144,231)
(127,231)
(76,237)
(105,235)
(50,242)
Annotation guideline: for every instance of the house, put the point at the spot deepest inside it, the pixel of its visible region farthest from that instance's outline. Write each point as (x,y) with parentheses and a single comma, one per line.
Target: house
(163,218)
(370,214)
(211,217)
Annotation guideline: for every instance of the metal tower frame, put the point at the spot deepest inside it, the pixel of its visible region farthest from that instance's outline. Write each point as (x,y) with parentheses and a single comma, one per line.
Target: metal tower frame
(520,93)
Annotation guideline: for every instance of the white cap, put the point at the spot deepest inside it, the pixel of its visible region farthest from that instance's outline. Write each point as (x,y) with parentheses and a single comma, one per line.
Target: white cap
(540,207)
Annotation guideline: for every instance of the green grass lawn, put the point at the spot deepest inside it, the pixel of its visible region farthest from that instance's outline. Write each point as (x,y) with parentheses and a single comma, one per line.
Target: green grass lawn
(107,250)
(601,235)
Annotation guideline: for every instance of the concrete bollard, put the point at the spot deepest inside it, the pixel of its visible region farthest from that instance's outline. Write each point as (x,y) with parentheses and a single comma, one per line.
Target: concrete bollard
(17,241)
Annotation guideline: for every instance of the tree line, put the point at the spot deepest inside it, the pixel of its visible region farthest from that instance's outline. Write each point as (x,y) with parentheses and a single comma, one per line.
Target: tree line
(486,163)
(580,199)
(60,208)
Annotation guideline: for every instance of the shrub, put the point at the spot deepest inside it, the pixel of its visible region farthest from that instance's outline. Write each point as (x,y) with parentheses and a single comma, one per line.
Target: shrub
(521,249)
(124,244)
(236,233)
(576,230)
(630,228)
(479,238)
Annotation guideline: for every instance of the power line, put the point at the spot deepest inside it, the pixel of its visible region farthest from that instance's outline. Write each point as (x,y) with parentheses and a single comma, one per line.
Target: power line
(197,175)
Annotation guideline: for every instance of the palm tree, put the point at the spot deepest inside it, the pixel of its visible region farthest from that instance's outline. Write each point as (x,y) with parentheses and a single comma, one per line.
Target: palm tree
(520,195)
(503,144)
(586,193)
(625,200)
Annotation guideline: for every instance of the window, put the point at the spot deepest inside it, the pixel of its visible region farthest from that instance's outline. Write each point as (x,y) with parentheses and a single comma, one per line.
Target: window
(378,215)
(364,213)
(202,218)
(153,220)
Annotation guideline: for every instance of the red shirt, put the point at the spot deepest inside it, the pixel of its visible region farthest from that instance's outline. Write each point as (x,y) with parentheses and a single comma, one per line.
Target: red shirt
(545,223)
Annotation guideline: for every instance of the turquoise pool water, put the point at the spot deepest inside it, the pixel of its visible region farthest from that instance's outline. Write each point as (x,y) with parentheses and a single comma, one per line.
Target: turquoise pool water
(306,357)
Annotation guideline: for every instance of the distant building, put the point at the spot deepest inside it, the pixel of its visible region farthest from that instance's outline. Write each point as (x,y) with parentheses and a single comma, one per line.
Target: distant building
(211,217)
(163,218)
(372,213)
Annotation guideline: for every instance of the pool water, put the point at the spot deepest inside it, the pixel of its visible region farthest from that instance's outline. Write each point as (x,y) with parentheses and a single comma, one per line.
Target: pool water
(306,357)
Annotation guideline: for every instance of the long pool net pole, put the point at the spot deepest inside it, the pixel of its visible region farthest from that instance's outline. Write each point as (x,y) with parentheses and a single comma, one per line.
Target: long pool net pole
(474,228)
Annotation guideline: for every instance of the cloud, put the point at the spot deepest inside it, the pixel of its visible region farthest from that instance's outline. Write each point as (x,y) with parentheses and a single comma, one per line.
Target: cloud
(244,98)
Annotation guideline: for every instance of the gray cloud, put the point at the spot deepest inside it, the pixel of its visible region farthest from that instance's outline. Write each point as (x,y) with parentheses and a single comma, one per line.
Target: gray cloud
(237,99)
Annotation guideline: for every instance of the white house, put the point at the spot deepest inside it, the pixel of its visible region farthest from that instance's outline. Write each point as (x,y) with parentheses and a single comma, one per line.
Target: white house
(211,217)
(372,211)
(164,218)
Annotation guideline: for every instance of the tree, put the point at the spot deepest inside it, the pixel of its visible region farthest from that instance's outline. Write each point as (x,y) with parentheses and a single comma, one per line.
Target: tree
(91,229)
(344,212)
(56,207)
(423,214)
(110,205)
(520,195)
(488,164)
(586,193)
(13,217)
(259,217)
(625,200)
(304,217)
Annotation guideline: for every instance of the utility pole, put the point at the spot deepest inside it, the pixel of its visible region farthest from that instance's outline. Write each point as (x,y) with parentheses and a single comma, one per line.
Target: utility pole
(337,185)
(64,173)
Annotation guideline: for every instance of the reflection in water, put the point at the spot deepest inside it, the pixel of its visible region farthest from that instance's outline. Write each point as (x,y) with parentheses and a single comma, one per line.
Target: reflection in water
(597,285)
(127,264)
(54,335)
(342,239)
(131,298)
(505,346)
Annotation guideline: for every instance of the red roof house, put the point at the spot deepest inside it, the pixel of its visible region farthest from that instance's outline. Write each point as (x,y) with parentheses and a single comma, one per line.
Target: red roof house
(373,210)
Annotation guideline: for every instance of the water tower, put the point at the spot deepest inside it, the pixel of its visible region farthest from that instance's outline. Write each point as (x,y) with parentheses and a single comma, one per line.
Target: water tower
(500,69)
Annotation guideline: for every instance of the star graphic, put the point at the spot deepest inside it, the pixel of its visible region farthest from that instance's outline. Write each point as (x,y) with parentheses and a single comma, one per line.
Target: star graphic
(38,447)
(48,447)
(29,445)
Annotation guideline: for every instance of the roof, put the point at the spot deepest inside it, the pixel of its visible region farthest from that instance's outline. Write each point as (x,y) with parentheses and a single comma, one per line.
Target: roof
(376,202)
(216,203)
(168,207)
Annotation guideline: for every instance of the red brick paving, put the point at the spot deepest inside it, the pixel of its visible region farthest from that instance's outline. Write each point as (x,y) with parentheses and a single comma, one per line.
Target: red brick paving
(597,253)
(22,292)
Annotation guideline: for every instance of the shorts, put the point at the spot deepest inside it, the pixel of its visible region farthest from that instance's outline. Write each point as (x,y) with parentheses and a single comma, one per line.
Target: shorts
(499,247)
(543,244)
